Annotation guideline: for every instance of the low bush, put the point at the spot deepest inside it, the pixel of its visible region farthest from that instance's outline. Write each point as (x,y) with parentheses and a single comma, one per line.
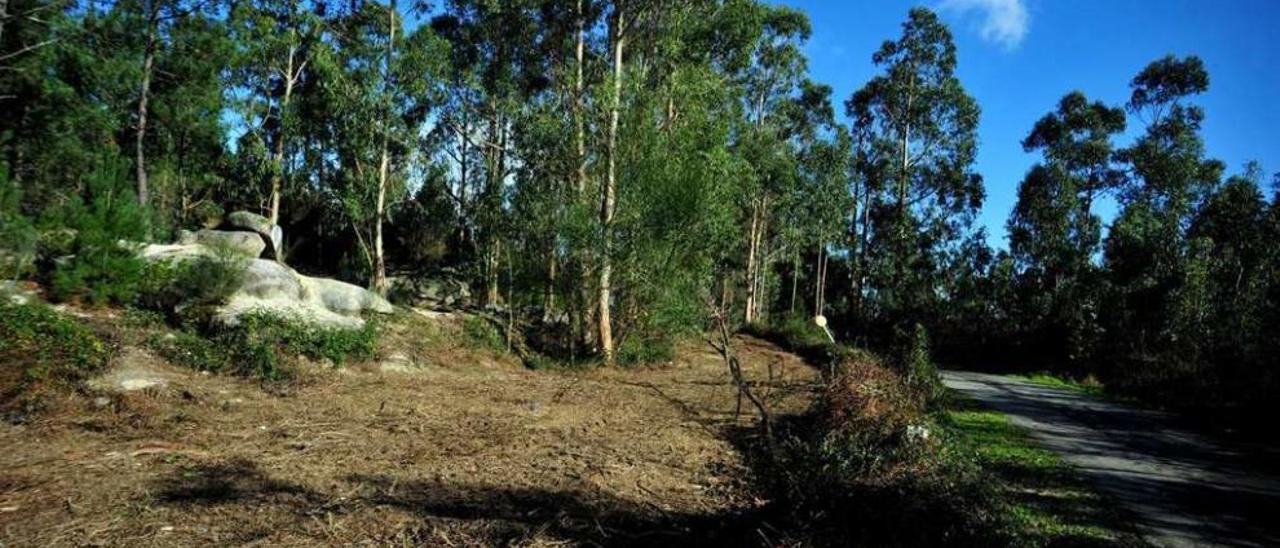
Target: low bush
(263,345)
(173,286)
(646,348)
(798,332)
(38,345)
(194,351)
(479,333)
(869,463)
(917,365)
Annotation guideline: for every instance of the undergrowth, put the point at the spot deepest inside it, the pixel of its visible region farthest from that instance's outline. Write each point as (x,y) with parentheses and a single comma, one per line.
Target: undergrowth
(884,458)
(40,348)
(263,345)
(480,334)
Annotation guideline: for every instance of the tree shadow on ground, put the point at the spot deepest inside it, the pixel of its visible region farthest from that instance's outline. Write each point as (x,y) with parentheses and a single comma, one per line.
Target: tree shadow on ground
(489,515)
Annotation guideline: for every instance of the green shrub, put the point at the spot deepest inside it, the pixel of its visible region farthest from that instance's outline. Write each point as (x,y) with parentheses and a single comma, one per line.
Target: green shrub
(917,364)
(800,332)
(207,281)
(870,466)
(646,348)
(17,234)
(480,334)
(138,317)
(262,345)
(98,264)
(39,344)
(194,351)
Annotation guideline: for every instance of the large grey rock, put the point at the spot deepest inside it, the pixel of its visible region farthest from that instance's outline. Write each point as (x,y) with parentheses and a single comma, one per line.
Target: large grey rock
(265,279)
(344,298)
(249,244)
(271,233)
(269,286)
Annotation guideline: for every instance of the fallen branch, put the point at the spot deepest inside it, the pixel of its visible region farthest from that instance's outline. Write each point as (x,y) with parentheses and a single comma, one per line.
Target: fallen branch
(725,348)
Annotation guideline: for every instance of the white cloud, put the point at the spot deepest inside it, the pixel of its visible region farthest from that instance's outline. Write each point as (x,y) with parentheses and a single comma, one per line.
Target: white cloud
(1004,22)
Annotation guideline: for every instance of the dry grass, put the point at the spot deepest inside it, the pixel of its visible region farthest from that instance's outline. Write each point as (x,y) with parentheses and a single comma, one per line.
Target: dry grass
(469,449)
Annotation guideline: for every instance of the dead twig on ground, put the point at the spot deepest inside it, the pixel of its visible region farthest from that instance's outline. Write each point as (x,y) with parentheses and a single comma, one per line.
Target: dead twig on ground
(725,348)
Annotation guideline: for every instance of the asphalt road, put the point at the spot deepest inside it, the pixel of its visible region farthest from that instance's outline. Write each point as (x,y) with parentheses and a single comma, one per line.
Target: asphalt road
(1182,488)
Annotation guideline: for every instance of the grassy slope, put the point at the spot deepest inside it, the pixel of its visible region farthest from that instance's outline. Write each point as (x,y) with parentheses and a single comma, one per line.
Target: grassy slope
(1046,502)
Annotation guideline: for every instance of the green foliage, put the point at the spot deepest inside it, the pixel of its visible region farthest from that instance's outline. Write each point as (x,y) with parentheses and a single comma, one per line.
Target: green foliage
(39,344)
(653,349)
(916,201)
(262,345)
(800,332)
(196,352)
(17,233)
(143,318)
(104,226)
(870,466)
(1041,499)
(209,280)
(479,333)
(917,364)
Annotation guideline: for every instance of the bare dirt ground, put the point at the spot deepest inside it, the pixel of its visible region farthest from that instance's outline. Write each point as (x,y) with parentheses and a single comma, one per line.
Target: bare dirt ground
(443,447)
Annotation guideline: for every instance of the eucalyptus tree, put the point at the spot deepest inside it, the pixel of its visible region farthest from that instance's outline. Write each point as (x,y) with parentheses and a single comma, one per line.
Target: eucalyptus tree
(1146,249)
(770,79)
(492,45)
(187,142)
(379,88)
(814,210)
(676,174)
(274,42)
(156,18)
(916,128)
(1054,235)
(1223,297)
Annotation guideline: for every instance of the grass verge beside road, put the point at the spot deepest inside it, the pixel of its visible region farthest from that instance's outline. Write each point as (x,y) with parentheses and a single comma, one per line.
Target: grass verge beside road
(1044,501)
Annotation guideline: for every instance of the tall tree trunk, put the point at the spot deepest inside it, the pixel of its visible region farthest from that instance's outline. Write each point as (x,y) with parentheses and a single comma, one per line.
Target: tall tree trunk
(144,91)
(860,262)
(549,298)
(762,269)
(817,281)
(607,196)
(379,259)
(384,163)
(752,244)
(277,155)
(579,118)
(494,177)
(584,318)
(795,276)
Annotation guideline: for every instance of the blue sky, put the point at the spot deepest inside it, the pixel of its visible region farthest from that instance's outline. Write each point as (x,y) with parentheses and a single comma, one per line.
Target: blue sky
(1018,57)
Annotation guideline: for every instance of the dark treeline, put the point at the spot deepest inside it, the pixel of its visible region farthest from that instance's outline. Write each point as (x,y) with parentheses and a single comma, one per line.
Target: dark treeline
(610,169)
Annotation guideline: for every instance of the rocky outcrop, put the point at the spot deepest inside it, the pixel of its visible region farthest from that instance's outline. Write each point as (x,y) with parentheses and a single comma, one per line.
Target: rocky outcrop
(248,244)
(272,234)
(442,290)
(270,286)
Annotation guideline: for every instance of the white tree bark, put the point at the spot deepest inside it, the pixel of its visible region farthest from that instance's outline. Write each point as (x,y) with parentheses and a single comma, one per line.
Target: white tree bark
(379,257)
(608,193)
(144,92)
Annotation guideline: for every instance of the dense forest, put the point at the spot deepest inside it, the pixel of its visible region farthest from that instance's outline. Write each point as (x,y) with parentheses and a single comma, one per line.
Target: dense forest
(611,174)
